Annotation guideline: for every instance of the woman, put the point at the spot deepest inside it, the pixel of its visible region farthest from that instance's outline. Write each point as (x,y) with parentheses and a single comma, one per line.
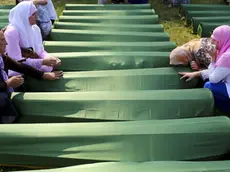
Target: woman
(196,53)
(43,17)
(218,71)
(23,33)
(7,85)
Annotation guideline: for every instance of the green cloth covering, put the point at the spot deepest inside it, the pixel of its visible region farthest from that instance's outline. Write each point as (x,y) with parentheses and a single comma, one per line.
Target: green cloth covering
(115,105)
(114,80)
(87,61)
(197,20)
(135,19)
(3,19)
(4,12)
(2,25)
(205,29)
(141,141)
(96,35)
(202,7)
(159,166)
(108,12)
(110,27)
(191,14)
(64,46)
(7,6)
(106,6)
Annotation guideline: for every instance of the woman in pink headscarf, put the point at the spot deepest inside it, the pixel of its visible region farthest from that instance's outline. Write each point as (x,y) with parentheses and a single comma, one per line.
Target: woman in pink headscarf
(218,71)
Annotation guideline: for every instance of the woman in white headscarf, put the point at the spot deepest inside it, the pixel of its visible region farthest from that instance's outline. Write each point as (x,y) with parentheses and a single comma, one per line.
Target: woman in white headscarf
(23,33)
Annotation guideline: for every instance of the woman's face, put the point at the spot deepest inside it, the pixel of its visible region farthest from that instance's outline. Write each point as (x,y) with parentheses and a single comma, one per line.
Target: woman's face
(215,42)
(33,18)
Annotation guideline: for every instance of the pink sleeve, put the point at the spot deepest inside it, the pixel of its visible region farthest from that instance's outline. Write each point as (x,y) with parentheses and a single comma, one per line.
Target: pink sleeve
(43,54)
(13,48)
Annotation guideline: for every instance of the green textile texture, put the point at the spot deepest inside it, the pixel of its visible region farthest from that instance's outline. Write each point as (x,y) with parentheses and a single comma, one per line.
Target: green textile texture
(197,20)
(114,80)
(202,13)
(96,35)
(162,166)
(134,19)
(138,141)
(88,46)
(205,29)
(204,7)
(110,27)
(88,61)
(107,7)
(114,105)
(6,6)
(108,12)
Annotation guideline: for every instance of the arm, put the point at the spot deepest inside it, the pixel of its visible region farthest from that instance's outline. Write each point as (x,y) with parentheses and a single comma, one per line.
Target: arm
(14,51)
(218,74)
(3,85)
(23,68)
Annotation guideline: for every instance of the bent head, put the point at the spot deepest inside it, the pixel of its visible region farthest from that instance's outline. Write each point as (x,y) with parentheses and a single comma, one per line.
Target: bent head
(33,18)
(3,43)
(221,38)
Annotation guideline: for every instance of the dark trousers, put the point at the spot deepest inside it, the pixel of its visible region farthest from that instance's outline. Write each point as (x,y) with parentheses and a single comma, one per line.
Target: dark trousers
(8,113)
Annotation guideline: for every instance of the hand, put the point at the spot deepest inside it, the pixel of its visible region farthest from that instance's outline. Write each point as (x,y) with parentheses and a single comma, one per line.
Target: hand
(49,61)
(58,61)
(188,75)
(52,75)
(15,81)
(194,65)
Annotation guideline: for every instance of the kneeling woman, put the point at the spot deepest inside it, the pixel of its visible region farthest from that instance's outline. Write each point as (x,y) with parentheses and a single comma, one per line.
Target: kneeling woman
(218,71)
(22,34)
(7,85)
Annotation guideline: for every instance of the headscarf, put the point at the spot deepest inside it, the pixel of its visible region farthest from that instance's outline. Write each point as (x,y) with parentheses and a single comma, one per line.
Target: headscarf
(222,35)
(19,19)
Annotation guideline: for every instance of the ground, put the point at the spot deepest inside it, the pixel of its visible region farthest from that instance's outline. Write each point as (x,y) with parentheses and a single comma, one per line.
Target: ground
(168,17)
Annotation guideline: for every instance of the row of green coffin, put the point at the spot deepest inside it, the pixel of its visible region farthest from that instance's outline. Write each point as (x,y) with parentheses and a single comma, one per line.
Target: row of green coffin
(96,35)
(89,46)
(6,7)
(109,27)
(201,7)
(113,105)
(114,80)
(108,12)
(220,13)
(109,60)
(55,145)
(107,7)
(205,29)
(165,166)
(215,19)
(134,19)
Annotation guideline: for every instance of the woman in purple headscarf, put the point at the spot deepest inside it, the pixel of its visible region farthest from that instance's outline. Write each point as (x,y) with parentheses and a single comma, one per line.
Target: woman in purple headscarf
(218,71)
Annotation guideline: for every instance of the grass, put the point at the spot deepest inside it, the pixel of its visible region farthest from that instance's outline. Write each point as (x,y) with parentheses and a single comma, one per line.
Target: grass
(168,17)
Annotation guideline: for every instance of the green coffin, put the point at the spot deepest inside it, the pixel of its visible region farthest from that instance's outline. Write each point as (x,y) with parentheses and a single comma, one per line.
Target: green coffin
(197,20)
(3,19)
(114,80)
(93,35)
(159,166)
(110,27)
(205,29)
(108,12)
(7,6)
(137,19)
(191,14)
(106,7)
(4,12)
(2,25)
(140,141)
(64,46)
(88,61)
(202,7)
(114,105)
